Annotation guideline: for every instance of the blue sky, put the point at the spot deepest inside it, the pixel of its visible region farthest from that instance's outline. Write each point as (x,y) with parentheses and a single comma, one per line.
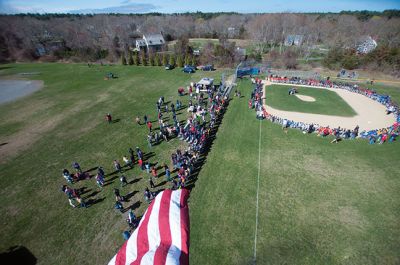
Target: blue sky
(172,6)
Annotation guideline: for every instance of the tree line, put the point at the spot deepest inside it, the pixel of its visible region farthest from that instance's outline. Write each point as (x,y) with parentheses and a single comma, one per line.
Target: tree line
(77,37)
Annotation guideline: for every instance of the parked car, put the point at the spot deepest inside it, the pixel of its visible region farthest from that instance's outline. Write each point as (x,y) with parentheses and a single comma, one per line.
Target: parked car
(169,67)
(189,69)
(208,67)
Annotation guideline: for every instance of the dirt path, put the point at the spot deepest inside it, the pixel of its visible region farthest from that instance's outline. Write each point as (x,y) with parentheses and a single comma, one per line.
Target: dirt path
(370,114)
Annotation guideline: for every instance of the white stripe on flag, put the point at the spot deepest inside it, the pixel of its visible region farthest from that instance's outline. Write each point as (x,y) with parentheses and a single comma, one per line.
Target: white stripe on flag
(112,261)
(153,232)
(174,251)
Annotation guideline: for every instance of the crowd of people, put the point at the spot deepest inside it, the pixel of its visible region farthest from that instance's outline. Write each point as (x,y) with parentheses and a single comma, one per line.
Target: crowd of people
(203,110)
(380,136)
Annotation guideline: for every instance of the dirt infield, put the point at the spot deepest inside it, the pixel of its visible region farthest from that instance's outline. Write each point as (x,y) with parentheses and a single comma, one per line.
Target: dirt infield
(13,89)
(370,114)
(305,98)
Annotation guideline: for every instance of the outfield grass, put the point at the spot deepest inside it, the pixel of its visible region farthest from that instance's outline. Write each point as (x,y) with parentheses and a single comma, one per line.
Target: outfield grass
(64,122)
(319,203)
(326,102)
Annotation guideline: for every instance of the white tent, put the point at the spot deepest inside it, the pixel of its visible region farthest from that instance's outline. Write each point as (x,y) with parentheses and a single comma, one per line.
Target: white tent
(206,81)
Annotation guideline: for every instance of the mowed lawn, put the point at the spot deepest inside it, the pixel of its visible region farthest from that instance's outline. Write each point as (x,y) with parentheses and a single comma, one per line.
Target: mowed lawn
(319,203)
(62,123)
(326,102)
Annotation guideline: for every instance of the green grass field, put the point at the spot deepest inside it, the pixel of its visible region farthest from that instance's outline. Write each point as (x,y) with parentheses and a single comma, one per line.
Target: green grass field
(319,203)
(65,122)
(327,102)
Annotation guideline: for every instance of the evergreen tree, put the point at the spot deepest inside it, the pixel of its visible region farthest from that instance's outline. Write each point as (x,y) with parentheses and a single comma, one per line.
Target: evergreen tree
(130,61)
(143,58)
(136,59)
(172,59)
(179,61)
(150,59)
(187,59)
(194,61)
(164,59)
(157,60)
(123,59)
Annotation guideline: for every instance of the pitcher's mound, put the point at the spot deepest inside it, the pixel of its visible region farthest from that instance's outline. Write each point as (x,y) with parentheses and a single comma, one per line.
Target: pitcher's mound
(305,98)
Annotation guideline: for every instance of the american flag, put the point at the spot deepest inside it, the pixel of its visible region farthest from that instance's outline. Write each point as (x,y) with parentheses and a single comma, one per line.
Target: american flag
(162,236)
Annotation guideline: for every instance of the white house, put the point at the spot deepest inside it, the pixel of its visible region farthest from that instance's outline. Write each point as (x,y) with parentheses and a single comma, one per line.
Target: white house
(367,45)
(151,42)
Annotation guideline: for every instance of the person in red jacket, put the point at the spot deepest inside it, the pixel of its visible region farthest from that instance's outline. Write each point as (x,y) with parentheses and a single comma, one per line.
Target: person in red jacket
(149,125)
(108,118)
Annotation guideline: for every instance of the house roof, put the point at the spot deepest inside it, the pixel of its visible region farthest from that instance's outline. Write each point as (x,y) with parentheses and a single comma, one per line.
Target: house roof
(141,42)
(154,39)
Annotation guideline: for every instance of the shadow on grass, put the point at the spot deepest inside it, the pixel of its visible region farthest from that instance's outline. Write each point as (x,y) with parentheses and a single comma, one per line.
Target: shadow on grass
(130,195)
(147,156)
(92,202)
(89,170)
(160,184)
(133,206)
(134,181)
(94,193)
(18,255)
(5,67)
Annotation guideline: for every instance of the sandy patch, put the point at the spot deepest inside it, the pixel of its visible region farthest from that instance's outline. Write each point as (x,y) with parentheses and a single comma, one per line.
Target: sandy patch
(11,90)
(305,98)
(370,114)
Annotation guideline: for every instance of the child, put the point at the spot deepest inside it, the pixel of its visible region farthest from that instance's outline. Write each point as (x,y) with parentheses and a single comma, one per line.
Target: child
(117,166)
(77,167)
(147,166)
(118,205)
(108,118)
(154,172)
(99,180)
(127,162)
(151,182)
(140,162)
(68,191)
(100,171)
(123,181)
(67,176)
(118,196)
(167,173)
(148,196)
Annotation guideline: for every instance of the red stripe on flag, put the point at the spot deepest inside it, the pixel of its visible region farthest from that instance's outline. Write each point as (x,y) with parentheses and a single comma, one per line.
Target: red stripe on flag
(165,232)
(185,228)
(120,259)
(142,238)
